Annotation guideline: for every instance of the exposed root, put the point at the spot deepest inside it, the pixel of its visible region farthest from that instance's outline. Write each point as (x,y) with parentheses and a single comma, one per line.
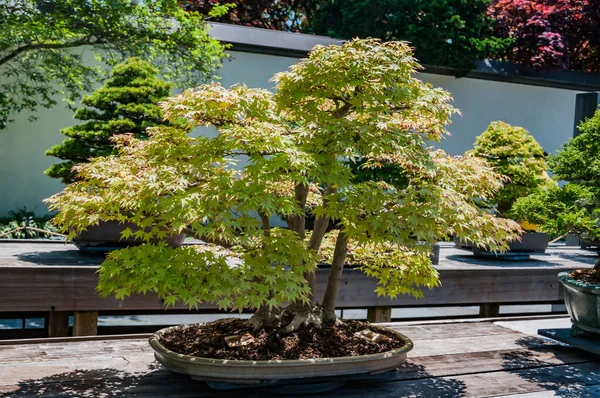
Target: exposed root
(307,315)
(288,319)
(266,317)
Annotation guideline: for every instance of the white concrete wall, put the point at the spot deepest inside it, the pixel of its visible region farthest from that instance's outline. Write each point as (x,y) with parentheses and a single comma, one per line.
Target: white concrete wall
(547,113)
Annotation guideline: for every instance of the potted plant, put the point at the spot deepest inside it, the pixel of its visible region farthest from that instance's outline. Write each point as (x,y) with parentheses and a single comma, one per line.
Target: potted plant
(126,103)
(574,208)
(516,155)
(356,101)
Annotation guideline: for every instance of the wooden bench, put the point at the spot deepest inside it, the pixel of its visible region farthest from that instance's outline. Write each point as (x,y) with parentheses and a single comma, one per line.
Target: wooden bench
(57,280)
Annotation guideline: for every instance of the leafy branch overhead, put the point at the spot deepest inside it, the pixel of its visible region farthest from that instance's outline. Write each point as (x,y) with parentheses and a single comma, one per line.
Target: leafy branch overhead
(47,47)
(274,154)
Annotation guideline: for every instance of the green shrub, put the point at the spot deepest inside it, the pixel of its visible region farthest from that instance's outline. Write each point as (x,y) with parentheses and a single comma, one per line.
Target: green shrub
(21,218)
(515,154)
(573,208)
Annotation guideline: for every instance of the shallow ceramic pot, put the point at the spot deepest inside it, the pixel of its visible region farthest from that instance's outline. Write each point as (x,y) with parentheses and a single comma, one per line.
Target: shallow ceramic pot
(583,304)
(237,372)
(107,235)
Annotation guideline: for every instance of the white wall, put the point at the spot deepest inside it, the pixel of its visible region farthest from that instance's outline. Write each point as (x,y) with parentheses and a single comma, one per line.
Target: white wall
(547,113)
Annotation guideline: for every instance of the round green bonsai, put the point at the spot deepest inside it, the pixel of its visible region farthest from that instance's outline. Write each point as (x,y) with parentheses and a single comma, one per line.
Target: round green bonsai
(127,103)
(516,155)
(356,102)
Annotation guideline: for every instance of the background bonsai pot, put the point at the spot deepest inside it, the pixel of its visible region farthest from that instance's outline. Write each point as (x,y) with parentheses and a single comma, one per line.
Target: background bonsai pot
(107,236)
(583,304)
(531,242)
(237,372)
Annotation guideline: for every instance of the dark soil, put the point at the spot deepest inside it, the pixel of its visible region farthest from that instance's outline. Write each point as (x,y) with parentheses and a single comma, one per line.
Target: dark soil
(585,276)
(330,340)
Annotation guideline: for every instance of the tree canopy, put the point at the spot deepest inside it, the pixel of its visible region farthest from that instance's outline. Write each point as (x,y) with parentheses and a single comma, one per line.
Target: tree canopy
(274,153)
(452,33)
(43,46)
(515,154)
(286,15)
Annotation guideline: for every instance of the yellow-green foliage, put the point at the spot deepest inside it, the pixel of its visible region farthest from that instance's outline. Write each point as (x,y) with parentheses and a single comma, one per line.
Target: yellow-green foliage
(356,101)
(515,154)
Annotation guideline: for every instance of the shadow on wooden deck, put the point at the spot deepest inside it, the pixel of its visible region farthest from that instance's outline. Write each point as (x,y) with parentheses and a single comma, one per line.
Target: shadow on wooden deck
(162,383)
(567,372)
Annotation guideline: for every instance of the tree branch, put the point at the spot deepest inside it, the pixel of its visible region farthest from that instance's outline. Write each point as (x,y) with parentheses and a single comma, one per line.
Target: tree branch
(78,43)
(266,225)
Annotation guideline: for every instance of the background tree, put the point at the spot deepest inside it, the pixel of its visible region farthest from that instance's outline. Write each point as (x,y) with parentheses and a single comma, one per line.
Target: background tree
(444,32)
(515,154)
(356,101)
(558,34)
(127,103)
(42,46)
(285,15)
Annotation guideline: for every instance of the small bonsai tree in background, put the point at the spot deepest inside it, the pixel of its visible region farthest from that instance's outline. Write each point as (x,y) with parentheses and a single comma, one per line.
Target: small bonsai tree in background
(343,103)
(574,207)
(127,103)
(515,154)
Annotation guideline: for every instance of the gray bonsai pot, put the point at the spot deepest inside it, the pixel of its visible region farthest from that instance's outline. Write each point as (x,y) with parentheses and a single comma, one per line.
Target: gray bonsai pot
(530,243)
(218,372)
(106,236)
(583,304)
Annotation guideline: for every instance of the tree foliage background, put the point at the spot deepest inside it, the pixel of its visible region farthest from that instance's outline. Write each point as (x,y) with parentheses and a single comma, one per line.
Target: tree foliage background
(44,46)
(443,32)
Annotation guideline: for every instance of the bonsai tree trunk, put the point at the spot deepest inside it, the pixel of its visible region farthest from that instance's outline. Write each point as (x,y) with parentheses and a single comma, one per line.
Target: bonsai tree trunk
(596,270)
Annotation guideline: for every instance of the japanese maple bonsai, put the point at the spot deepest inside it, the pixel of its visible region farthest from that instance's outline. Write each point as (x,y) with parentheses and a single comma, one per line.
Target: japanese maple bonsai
(273,152)
(517,156)
(574,208)
(126,103)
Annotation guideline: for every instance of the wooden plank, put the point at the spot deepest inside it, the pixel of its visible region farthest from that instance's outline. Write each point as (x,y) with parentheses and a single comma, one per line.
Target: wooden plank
(85,323)
(489,310)
(58,324)
(74,289)
(379,314)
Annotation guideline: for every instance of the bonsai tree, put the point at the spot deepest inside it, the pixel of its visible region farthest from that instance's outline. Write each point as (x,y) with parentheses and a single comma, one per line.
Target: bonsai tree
(273,153)
(515,154)
(574,207)
(127,103)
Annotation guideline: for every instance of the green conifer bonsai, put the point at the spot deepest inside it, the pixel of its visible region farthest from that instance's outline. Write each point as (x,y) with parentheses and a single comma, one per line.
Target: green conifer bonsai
(273,153)
(126,103)
(516,155)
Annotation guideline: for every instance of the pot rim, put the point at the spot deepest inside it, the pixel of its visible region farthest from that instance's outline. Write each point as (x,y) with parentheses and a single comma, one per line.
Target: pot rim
(157,346)
(566,279)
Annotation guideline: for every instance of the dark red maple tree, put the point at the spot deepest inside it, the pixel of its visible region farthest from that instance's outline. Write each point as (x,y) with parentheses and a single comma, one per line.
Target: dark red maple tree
(550,34)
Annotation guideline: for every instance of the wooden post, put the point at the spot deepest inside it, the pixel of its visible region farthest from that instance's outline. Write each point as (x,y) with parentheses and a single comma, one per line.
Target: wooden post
(58,324)
(489,310)
(85,323)
(379,314)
